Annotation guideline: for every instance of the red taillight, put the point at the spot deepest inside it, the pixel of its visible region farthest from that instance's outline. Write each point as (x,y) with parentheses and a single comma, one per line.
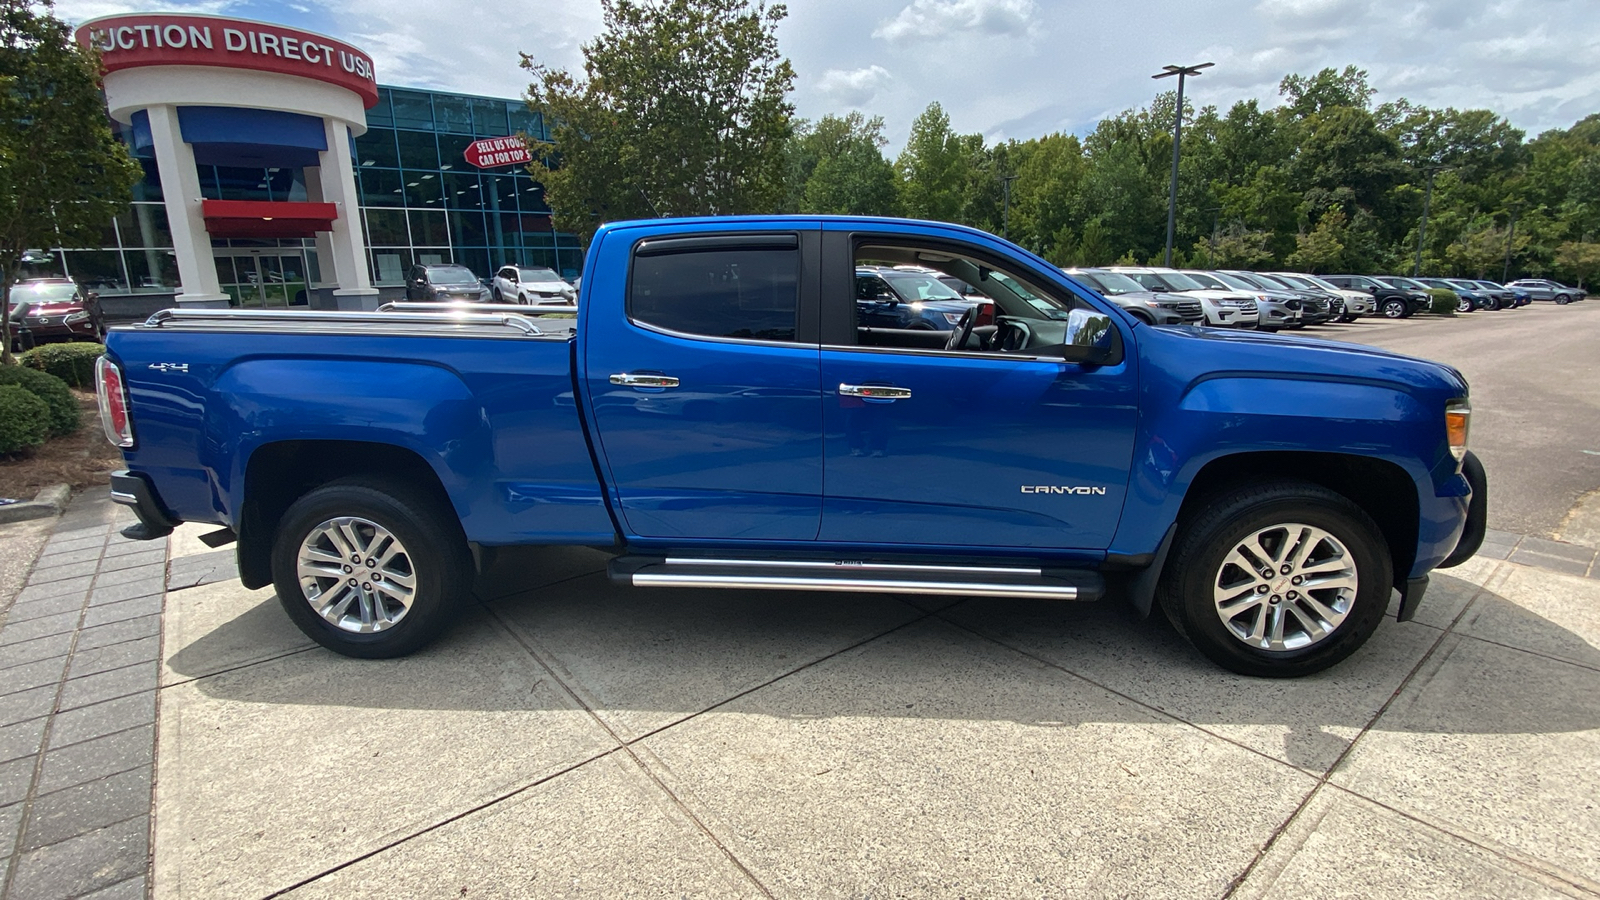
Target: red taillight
(113,404)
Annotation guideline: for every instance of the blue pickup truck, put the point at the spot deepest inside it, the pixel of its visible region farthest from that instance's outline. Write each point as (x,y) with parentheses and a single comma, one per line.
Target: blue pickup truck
(716,413)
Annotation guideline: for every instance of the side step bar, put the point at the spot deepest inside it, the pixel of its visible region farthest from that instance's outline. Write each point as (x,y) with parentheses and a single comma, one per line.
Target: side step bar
(858,577)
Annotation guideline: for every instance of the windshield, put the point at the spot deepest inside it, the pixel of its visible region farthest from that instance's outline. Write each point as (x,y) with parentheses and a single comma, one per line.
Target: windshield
(1111,283)
(1270,282)
(1176,281)
(1489,284)
(1295,282)
(1235,282)
(1208,280)
(1464,285)
(451,275)
(1325,285)
(42,292)
(916,286)
(1407,283)
(537,275)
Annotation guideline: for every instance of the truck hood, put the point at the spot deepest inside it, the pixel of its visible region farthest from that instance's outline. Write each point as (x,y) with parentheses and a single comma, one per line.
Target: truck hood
(1292,355)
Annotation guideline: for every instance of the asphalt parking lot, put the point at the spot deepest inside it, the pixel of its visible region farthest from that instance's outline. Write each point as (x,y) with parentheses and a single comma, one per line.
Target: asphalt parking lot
(573,738)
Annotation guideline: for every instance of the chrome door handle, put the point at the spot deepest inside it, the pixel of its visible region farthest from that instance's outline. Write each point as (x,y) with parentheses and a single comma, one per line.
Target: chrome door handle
(632,379)
(874,391)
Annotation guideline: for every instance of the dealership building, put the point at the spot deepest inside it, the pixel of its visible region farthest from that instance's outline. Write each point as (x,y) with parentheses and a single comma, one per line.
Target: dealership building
(279,172)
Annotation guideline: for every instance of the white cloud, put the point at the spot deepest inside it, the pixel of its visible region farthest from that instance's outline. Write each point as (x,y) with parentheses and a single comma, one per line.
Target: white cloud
(924,20)
(855,87)
(77,11)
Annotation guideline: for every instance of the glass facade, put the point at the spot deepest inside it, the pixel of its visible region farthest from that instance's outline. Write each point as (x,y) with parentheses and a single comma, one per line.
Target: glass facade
(421,202)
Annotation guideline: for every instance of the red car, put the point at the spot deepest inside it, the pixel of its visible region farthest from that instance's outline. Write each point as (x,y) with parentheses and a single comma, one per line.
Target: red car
(56,309)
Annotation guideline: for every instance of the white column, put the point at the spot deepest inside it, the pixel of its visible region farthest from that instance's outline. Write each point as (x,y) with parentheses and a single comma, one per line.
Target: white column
(321,294)
(180,185)
(347,245)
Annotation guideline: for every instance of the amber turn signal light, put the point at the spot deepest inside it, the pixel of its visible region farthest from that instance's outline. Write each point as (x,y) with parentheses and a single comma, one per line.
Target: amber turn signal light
(1457,419)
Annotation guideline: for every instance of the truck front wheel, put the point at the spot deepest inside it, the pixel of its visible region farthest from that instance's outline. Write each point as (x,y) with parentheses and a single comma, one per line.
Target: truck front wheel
(370,568)
(1277,580)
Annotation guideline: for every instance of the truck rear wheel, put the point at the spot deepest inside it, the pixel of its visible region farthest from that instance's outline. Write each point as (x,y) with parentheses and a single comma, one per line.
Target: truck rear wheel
(370,568)
(1277,580)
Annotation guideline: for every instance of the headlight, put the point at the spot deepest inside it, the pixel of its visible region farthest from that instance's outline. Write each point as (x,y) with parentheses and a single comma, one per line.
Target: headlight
(953,318)
(76,317)
(1457,421)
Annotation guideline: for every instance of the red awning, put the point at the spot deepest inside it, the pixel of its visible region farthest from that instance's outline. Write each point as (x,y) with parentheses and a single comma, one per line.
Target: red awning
(267,219)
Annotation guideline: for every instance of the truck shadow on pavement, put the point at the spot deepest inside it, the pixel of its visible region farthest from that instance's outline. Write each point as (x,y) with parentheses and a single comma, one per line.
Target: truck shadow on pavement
(644,660)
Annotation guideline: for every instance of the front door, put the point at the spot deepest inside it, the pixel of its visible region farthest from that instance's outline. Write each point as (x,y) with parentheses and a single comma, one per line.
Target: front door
(705,397)
(271,279)
(968,448)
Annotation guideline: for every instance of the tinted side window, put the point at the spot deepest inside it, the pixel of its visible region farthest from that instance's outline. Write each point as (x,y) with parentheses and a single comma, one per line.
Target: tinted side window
(735,293)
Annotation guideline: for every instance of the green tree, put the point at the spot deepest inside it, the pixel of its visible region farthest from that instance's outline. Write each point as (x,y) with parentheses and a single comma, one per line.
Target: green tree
(63,175)
(836,166)
(1478,250)
(931,168)
(1242,248)
(1306,95)
(1322,248)
(1580,260)
(682,110)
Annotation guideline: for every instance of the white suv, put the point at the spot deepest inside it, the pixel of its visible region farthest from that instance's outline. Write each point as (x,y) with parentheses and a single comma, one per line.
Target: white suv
(1227,309)
(532,285)
(1356,303)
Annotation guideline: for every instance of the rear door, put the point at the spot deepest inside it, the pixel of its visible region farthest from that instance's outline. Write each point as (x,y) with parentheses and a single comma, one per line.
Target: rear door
(704,387)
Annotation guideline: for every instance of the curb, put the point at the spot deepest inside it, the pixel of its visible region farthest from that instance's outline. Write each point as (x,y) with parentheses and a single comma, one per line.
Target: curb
(47,503)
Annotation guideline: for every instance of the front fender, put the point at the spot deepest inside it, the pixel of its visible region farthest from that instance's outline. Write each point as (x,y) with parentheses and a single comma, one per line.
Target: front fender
(1218,415)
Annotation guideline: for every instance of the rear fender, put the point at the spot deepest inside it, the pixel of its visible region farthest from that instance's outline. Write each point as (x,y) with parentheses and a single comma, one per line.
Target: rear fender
(423,408)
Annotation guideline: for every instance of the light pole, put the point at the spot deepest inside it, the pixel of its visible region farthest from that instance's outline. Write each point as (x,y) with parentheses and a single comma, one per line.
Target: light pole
(1422,231)
(1511,235)
(1005,214)
(1177,135)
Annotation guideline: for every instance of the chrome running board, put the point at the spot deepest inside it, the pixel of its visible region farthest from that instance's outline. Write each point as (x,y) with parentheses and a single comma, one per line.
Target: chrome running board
(859,576)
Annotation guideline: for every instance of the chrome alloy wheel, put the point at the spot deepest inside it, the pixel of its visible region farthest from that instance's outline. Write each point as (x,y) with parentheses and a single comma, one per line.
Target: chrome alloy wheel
(356,575)
(1285,587)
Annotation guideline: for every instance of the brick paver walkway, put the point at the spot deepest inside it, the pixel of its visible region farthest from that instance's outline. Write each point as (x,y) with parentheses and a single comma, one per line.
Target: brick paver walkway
(80,649)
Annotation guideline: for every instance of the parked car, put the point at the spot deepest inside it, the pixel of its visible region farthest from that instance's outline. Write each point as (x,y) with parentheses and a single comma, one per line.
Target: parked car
(1316,303)
(889,297)
(1467,291)
(1356,303)
(1149,307)
(1545,289)
(1064,454)
(1504,295)
(1466,300)
(1393,302)
(1228,309)
(1508,298)
(445,283)
(57,309)
(1275,311)
(531,285)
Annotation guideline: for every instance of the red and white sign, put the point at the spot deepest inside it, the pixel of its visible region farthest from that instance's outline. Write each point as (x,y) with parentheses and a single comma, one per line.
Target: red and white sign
(129,42)
(502,151)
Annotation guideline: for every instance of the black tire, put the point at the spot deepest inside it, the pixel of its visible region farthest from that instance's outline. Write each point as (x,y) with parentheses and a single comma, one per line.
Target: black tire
(1562,299)
(436,551)
(1220,522)
(1491,303)
(495,295)
(1396,308)
(1463,305)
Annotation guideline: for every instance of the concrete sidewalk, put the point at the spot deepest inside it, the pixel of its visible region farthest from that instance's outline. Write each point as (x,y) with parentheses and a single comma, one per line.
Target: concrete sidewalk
(571,738)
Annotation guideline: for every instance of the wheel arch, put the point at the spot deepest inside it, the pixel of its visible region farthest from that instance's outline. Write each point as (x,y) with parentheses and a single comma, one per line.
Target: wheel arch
(277,474)
(1383,489)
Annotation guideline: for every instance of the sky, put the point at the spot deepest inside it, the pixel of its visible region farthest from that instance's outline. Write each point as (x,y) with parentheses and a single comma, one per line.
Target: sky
(1014,68)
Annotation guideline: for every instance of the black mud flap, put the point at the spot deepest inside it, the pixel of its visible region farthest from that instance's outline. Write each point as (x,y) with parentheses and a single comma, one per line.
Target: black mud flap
(1477,513)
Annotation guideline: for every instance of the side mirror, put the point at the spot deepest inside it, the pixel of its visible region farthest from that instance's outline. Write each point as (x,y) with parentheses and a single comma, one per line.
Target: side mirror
(1091,339)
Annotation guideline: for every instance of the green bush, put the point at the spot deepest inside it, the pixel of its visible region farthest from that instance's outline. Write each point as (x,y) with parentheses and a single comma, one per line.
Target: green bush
(24,419)
(1444,301)
(62,406)
(72,363)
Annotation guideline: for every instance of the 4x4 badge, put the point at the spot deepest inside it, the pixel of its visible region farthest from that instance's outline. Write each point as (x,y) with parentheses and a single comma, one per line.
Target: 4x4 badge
(170,367)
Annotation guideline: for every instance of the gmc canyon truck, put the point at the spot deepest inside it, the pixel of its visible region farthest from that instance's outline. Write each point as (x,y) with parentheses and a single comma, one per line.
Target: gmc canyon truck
(715,414)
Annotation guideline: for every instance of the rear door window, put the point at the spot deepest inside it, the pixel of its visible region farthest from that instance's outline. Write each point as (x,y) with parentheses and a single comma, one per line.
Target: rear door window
(724,290)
